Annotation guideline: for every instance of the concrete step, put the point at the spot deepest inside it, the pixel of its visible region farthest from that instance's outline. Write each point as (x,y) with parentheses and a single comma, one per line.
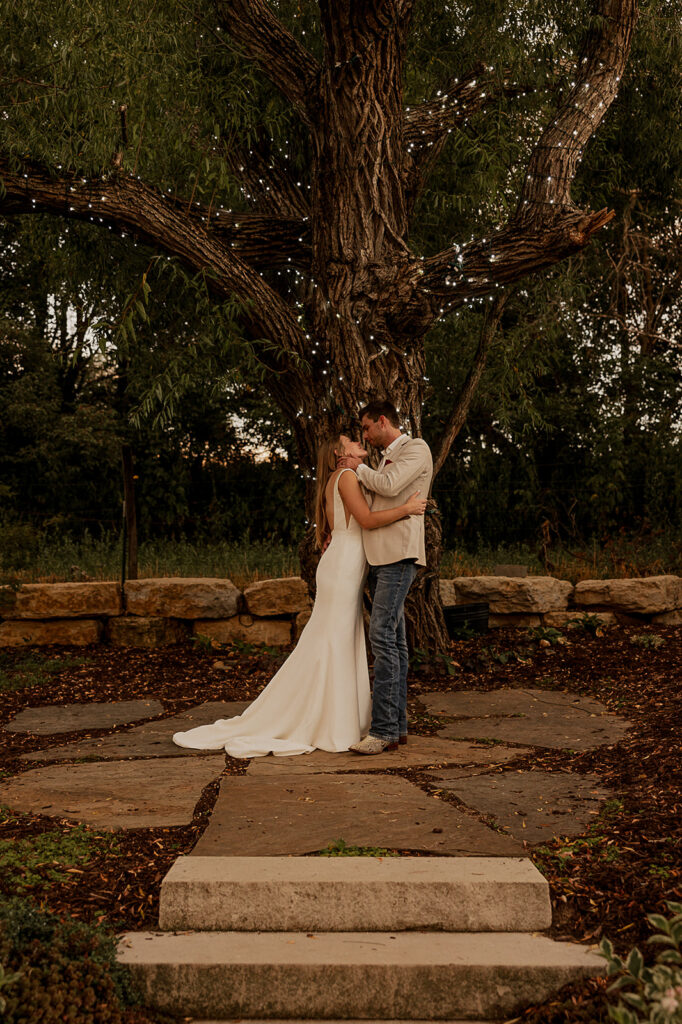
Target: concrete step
(354,893)
(344,975)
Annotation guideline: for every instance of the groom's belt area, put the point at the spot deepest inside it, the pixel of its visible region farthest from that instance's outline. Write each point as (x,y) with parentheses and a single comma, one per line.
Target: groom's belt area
(401,561)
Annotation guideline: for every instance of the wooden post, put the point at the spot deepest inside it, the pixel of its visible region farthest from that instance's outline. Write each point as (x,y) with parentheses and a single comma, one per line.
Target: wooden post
(129,509)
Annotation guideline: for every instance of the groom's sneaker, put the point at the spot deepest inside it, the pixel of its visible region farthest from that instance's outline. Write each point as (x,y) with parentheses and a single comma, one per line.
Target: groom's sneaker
(403,739)
(373,745)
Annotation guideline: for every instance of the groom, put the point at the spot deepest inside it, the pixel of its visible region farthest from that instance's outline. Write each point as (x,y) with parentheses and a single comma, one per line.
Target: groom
(393,553)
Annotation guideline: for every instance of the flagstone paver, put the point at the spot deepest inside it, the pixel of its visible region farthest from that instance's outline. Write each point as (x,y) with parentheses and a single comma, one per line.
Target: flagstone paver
(538,717)
(299,805)
(532,805)
(128,794)
(421,750)
(153,739)
(294,814)
(49,720)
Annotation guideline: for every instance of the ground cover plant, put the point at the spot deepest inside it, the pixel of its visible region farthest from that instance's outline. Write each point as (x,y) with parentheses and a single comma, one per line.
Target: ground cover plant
(58,969)
(603,883)
(52,557)
(31,670)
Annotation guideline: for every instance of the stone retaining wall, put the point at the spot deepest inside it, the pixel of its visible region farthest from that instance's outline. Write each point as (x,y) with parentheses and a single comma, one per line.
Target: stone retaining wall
(152,612)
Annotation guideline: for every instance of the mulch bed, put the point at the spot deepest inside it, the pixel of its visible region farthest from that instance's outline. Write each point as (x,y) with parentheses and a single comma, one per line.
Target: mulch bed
(603,883)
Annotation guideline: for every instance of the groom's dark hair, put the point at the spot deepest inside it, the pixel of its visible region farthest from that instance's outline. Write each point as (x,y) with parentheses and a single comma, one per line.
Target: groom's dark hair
(381,407)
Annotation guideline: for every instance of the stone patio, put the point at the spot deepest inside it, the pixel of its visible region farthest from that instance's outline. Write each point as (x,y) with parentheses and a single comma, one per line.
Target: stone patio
(153,739)
(298,815)
(532,805)
(421,750)
(298,805)
(130,794)
(543,718)
(50,720)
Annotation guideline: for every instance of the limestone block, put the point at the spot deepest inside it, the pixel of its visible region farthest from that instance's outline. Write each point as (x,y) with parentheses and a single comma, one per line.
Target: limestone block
(57,631)
(146,631)
(285,596)
(273,632)
(509,595)
(179,598)
(649,596)
(301,621)
(513,621)
(669,618)
(354,894)
(62,600)
(343,976)
(447,592)
(561,619)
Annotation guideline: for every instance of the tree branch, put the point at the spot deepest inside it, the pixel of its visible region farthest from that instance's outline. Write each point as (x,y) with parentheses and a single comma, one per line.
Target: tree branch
(546,227)
(556,156)
(427,126)
(131,206)
(444,282)
(265,242)
(460,411)
(279,55)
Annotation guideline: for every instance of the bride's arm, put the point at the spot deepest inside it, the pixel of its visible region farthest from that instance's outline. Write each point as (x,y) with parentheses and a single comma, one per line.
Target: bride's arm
(355,503)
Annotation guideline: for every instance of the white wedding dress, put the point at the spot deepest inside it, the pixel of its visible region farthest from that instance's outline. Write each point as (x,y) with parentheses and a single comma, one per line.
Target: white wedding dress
(319,699)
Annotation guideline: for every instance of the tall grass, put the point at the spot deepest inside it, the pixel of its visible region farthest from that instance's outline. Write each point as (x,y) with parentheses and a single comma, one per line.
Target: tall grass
(53,559)
(33,557)
(619,558)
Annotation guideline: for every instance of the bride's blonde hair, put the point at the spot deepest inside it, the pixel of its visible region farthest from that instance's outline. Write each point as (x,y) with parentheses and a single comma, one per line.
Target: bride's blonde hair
(326,465)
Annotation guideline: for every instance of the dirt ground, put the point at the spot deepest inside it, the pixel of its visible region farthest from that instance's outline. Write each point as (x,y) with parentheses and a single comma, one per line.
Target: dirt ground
(603,883)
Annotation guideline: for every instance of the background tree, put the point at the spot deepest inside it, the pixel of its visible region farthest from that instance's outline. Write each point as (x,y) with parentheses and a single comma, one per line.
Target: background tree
(77,383)
(305,204)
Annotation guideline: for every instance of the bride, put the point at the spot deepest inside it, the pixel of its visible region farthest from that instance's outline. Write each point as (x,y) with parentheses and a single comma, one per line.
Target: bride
(319,698)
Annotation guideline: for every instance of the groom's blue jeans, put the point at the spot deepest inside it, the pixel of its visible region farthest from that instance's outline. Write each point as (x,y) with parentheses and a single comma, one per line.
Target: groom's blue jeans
(388,585)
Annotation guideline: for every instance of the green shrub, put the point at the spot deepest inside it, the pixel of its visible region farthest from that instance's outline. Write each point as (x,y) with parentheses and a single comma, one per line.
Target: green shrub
(655,993)
(62,970)
(7,978)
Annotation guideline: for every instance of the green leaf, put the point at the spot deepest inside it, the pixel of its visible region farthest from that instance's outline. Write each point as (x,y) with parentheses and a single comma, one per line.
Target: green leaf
(606,949)
(634,962)
(669,956)
(660,922)
(620,983)
(635,1000)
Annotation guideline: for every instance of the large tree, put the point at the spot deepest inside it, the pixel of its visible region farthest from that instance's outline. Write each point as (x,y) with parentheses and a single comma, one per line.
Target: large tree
(305,206)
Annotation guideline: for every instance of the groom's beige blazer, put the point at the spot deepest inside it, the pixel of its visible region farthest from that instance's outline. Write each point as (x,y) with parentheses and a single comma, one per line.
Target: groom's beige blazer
(406,467)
